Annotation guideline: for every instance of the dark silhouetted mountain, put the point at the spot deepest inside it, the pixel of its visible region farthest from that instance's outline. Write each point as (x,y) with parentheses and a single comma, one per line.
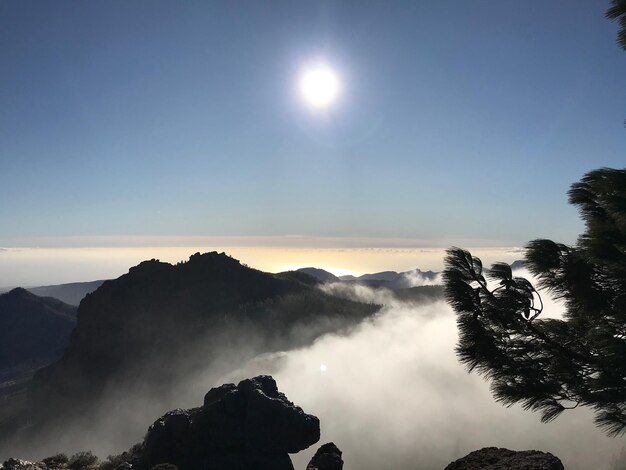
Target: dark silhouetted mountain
(420,294)
(319,274)
(388,279)
(71,293)
(428,275)
(159,323)
(518,264)
(298,276)
(387,276)
(393,279)
(34,331)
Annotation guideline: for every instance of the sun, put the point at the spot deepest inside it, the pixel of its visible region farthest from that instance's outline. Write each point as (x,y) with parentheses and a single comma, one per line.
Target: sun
(319,86)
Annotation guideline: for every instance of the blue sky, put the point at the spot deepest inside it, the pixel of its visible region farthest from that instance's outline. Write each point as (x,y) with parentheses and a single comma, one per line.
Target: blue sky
(458,120)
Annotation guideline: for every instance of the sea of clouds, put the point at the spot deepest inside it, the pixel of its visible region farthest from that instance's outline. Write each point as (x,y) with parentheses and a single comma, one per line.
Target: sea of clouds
(392,394)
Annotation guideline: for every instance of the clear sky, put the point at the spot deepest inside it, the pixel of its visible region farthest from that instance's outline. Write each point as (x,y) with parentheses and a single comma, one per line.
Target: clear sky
(456,120)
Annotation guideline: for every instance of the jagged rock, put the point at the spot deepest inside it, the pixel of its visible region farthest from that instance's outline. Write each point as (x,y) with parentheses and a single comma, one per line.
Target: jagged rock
(493,458)
(327,457)
(250,425)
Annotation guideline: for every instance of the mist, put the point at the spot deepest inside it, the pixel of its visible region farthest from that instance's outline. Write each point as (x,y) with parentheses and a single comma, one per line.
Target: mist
(389,392)
(392,394)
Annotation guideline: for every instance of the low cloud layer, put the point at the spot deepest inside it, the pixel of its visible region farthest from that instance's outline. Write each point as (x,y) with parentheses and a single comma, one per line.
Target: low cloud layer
(416,279)
(393,395)
(390,393)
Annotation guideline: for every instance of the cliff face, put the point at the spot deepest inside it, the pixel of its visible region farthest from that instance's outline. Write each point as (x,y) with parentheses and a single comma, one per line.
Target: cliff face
(161,321)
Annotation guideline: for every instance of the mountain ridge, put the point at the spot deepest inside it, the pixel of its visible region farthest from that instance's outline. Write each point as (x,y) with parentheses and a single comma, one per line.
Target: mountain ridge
(33,330)
(157,324)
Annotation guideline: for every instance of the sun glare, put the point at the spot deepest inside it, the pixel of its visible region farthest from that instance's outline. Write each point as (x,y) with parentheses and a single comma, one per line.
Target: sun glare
(319,86)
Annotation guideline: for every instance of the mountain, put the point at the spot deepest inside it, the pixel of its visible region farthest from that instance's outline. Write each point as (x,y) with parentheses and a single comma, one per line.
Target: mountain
(428,275)
(420,294)
(71,293)
(34,331)
(159,324)
(388,279)
(518,264)
(319,274)
(387,276)
(395,280)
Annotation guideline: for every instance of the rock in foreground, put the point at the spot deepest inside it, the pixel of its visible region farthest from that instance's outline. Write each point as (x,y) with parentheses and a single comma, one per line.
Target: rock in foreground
(493,458)
(327,457)
(250,425)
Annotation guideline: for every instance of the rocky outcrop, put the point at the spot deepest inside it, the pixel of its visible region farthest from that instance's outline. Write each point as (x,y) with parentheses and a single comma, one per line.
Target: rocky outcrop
(493,458)
(239,427)
(249,425)
(327,457)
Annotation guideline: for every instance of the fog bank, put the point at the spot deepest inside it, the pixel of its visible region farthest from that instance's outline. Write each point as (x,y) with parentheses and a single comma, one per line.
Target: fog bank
(393,395)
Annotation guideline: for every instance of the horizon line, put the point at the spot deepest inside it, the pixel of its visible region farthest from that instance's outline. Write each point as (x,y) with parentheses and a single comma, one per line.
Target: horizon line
(269,241)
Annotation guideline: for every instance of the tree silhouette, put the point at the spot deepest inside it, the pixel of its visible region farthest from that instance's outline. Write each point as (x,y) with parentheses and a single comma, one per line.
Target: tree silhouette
(618,12)
(550,365)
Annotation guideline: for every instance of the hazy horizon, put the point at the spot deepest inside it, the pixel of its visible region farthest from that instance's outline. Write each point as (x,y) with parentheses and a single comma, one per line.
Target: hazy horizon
(37,266)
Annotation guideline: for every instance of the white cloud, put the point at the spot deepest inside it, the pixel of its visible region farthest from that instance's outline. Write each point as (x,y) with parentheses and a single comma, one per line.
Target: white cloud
(394,396)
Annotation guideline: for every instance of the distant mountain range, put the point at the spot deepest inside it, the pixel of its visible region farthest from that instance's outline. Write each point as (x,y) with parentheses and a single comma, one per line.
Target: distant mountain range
(319,274)
(388,279)
(71,293)
(519,264)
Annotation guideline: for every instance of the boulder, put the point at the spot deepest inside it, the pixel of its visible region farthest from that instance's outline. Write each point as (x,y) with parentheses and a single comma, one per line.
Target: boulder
(327,457)
(250,425)
(493,458)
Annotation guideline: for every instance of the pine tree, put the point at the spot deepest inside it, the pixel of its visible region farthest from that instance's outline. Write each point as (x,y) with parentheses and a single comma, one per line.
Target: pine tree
(550,365)
(618,12)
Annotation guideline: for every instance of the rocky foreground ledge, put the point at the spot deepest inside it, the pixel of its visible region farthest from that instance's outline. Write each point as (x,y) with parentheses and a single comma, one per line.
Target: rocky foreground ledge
(246,426)
(493,458)
(251,426)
